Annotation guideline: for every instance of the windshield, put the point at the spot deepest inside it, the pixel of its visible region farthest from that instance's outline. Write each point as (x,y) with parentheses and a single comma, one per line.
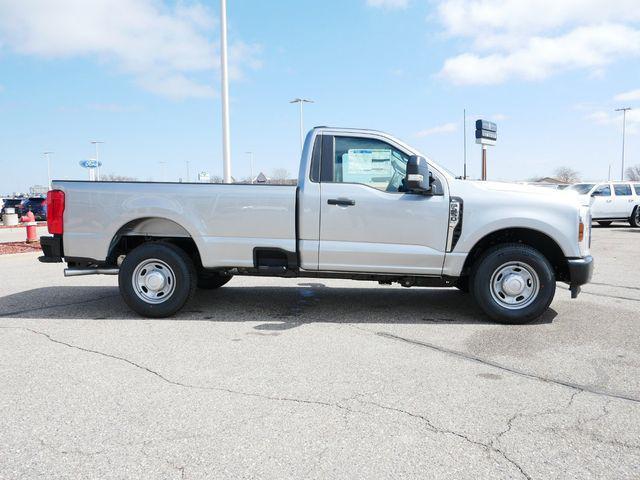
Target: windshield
(582,188)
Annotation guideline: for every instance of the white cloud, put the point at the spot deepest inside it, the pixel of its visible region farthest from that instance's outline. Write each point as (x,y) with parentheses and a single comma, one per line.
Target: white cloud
(444,128)
(534,39)
(613,118)
(390,4)
(630,96)
(167,50)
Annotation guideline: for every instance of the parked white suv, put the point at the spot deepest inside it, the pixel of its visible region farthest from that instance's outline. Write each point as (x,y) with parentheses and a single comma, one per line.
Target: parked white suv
(611,201)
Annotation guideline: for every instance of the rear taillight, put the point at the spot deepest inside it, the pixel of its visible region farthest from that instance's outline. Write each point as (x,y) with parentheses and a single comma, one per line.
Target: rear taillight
(55,211)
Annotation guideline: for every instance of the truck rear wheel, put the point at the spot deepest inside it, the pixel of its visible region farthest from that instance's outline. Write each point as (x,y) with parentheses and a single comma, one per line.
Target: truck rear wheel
(212,280)
(634,221)
(157,279)
(513,283)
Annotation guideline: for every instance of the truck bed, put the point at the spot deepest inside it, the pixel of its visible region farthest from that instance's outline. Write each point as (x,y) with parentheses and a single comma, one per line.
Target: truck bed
(226,221)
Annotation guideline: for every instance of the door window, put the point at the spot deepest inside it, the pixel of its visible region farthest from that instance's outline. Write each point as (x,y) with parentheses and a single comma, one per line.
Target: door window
(622,190)
(637,188)
(602,191)
(369,162)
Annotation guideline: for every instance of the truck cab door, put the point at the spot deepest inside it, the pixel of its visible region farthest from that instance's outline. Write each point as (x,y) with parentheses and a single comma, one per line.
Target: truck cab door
(367,223)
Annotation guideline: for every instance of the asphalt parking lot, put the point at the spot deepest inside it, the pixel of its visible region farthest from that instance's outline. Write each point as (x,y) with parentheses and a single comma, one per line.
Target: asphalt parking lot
(290,378)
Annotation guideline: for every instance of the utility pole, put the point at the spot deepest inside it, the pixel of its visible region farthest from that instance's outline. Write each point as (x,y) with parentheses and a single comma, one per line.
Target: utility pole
(226,142)
(46,155)
(464,124)
(95,144)
(250,163)
(624,125)
(301,101)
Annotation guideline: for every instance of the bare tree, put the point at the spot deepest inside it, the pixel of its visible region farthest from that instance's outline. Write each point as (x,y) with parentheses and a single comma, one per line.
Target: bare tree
(216,179)
(111,177)
(280,175)
(633,173)
(567,175)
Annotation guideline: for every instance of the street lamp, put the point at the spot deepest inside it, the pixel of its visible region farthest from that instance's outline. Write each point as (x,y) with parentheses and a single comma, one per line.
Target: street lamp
(226,147)
(46,155)
(95,144)
(250,163)
(301,101)
(624,125)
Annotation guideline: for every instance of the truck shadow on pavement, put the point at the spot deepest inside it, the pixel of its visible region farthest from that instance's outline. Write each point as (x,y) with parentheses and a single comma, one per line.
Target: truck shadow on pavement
(277,308)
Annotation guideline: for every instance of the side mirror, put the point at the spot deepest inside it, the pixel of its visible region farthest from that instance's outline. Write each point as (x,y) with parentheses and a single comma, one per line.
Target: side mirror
(418,178)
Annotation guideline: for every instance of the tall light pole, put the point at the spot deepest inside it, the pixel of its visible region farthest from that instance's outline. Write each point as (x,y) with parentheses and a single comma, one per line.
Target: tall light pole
(301,101)
(250,163)
(624,126)
(226,147)
(464,140)
(46,155)
(95,144)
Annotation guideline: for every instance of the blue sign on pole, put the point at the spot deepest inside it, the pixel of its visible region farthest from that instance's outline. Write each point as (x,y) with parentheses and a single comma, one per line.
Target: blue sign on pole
(91,163)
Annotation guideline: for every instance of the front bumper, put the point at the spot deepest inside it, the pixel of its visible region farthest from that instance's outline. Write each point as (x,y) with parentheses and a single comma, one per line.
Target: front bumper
(52,249)
(580,272)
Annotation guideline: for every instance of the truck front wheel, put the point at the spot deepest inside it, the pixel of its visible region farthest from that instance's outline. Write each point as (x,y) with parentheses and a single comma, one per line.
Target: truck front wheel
(513,283)
(157,279)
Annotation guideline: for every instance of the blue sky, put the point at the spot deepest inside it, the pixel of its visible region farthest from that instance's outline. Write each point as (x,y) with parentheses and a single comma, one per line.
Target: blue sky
(143,76)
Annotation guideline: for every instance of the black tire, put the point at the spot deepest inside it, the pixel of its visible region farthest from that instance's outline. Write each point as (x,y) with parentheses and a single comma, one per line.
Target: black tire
(604,223)
(634,221)
(508,258)
(181,279)
(212,280)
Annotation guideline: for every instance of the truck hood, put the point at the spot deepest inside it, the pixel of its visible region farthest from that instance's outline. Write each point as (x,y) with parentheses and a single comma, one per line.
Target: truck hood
(517,192)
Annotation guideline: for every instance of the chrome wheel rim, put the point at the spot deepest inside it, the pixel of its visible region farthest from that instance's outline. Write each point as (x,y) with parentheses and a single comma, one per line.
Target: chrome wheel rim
(153,281)
(514,285)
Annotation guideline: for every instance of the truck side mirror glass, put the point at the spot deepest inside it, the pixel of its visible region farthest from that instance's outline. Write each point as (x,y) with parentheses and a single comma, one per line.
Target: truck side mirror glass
(418,178)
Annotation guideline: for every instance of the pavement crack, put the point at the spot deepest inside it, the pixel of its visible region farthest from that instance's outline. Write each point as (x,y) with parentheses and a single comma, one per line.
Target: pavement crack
(181,384)
(617,297)
(551,411)
(613,285)
(488,447)
(513,370)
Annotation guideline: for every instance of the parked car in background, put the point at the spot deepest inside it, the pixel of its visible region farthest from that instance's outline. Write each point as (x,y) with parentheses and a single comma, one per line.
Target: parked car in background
(611,201)
(15,203)
(37,205)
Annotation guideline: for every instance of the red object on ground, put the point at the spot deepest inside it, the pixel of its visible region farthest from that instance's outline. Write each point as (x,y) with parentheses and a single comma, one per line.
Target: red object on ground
(18,247)
(55,211)
(30,221)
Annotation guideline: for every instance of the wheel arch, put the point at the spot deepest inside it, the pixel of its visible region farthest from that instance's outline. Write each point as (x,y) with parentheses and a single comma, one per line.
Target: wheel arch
(542,242)
(151,229)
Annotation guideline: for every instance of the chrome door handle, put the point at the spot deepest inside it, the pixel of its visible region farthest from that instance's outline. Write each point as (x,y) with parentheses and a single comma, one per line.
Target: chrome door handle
(343,202)
(608,201)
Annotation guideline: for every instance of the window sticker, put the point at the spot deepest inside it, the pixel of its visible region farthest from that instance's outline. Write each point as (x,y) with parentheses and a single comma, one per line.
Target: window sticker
(360,164)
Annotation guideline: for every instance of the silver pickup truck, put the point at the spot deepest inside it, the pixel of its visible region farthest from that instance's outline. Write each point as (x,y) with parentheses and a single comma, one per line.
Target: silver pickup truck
(366,207)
